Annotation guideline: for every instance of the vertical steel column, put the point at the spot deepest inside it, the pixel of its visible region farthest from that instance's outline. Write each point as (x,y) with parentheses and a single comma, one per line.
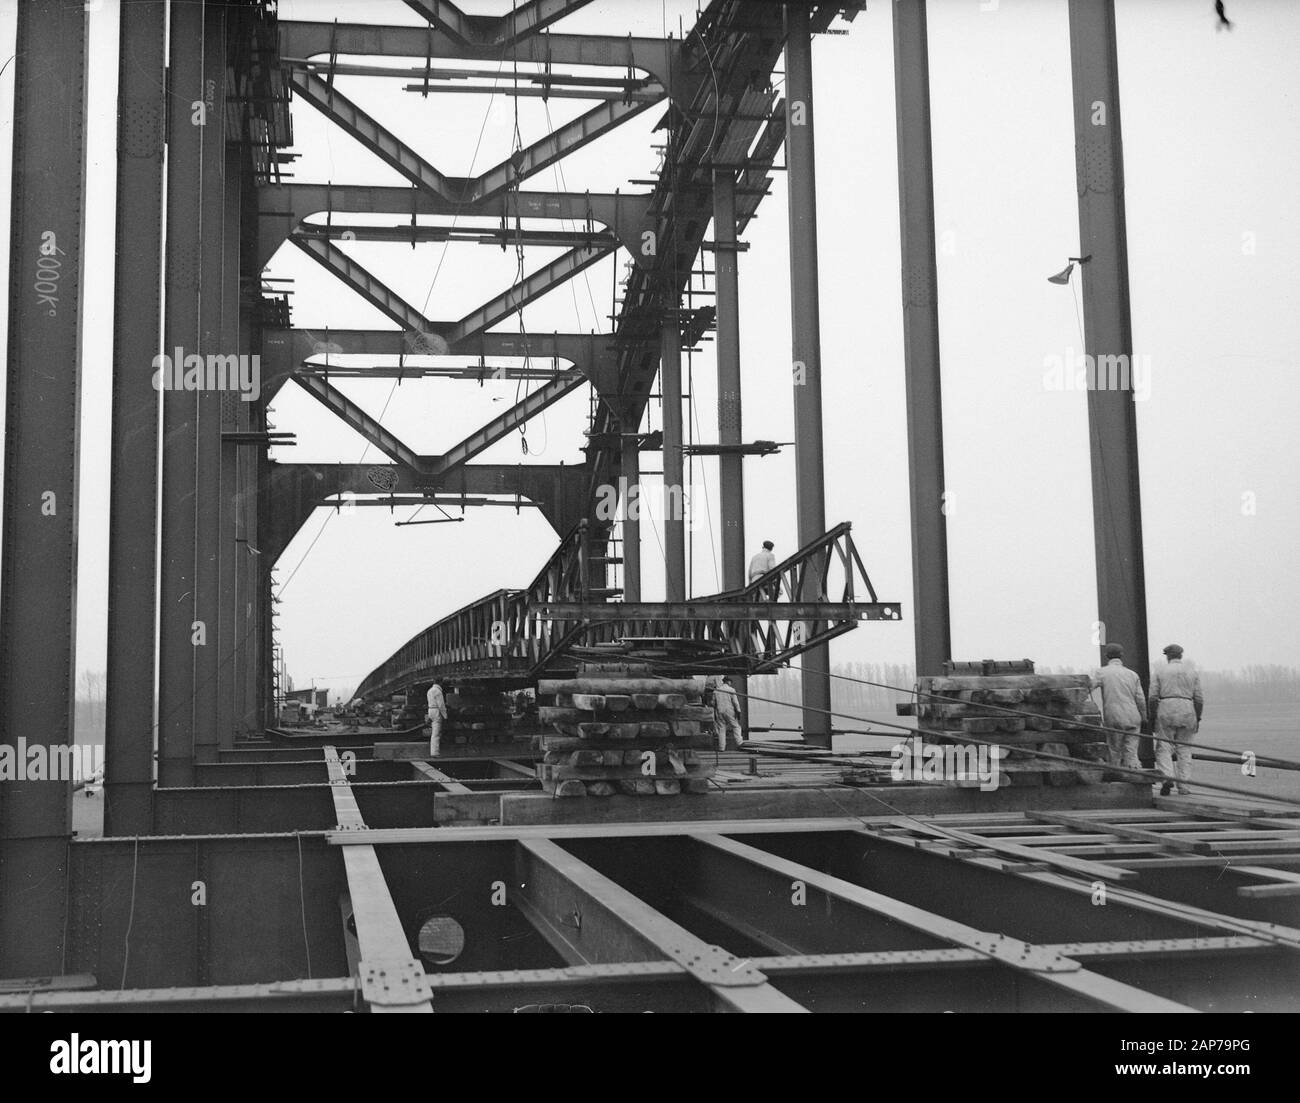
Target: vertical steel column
(1112,420)
(630,469)
(38,589)
(670,386)
(178,605)
(133,490)
(233,415)
(932,615)
(731,476)
(207,484)
(731,470)
(806,356)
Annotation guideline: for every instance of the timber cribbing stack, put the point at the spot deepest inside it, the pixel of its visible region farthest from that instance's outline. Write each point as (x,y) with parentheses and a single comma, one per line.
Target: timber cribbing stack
(623,731)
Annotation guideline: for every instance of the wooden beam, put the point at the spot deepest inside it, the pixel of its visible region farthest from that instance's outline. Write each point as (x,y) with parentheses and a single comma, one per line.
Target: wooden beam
(433,774)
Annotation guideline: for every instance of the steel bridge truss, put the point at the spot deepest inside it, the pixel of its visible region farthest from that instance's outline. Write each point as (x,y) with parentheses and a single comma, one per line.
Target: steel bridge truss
(514,635)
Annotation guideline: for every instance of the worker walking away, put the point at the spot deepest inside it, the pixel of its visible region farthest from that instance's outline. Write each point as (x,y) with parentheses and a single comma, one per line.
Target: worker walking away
(437,706)
(1175,706)
(1123,707)
(762,562)
(726,716)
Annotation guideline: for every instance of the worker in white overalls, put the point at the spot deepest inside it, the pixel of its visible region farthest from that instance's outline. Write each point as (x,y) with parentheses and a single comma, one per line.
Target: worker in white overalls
(1176,706)
(437,705)
(1123,706)
(726,715)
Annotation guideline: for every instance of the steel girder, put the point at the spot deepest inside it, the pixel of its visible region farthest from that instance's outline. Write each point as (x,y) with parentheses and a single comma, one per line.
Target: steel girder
(285,209)
(491,184)
(133,488)
(931,614)
(522,21)
(860,915)
(291,492)
(1108,330)
(39,522)
(288,351)
(356,418)
(301,41)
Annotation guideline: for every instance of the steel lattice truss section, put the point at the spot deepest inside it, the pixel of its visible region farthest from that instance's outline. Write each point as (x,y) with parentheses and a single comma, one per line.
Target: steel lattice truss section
(722,114)
(512,636)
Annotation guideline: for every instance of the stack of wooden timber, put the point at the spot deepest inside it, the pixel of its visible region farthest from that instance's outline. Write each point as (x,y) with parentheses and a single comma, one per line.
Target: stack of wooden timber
(476,714)
(624,731)
(1021,713)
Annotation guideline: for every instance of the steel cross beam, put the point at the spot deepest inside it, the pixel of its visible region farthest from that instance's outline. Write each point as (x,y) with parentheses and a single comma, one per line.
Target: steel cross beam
(546,395)
(1037,961)
(567,139)
(391,979)
(368,286)
(589,919)
(302,40)
(356,418)
(532,286)
(522,21)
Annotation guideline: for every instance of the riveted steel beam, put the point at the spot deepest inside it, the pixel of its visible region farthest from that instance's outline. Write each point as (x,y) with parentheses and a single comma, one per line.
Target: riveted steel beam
(522,21)
(356,418)
(546,395)
(1108,331)
(589,919)
(133,487)
(368,286)
(391,979)
(931,616)
(300,40)
(532,286)
(39,522)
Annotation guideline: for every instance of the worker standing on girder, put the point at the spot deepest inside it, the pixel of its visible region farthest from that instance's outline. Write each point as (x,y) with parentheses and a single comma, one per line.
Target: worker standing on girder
(762,562)
(1123,706)
(1176,706)
(437,706)
(726,715)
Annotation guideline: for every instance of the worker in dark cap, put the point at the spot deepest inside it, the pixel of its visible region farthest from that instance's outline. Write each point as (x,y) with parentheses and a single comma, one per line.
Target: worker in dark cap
(1175,706)
(1123,706)
(762,562)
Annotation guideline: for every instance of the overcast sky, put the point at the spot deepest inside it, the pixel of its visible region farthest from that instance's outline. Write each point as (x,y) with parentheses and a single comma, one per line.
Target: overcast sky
(1211,123)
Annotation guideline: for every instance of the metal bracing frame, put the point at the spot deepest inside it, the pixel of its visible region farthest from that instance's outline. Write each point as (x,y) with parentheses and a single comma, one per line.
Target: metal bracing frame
(356,418)
(288,208)
(301,40)
(849,913)
(513,634)
(761,627)
(519,23)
